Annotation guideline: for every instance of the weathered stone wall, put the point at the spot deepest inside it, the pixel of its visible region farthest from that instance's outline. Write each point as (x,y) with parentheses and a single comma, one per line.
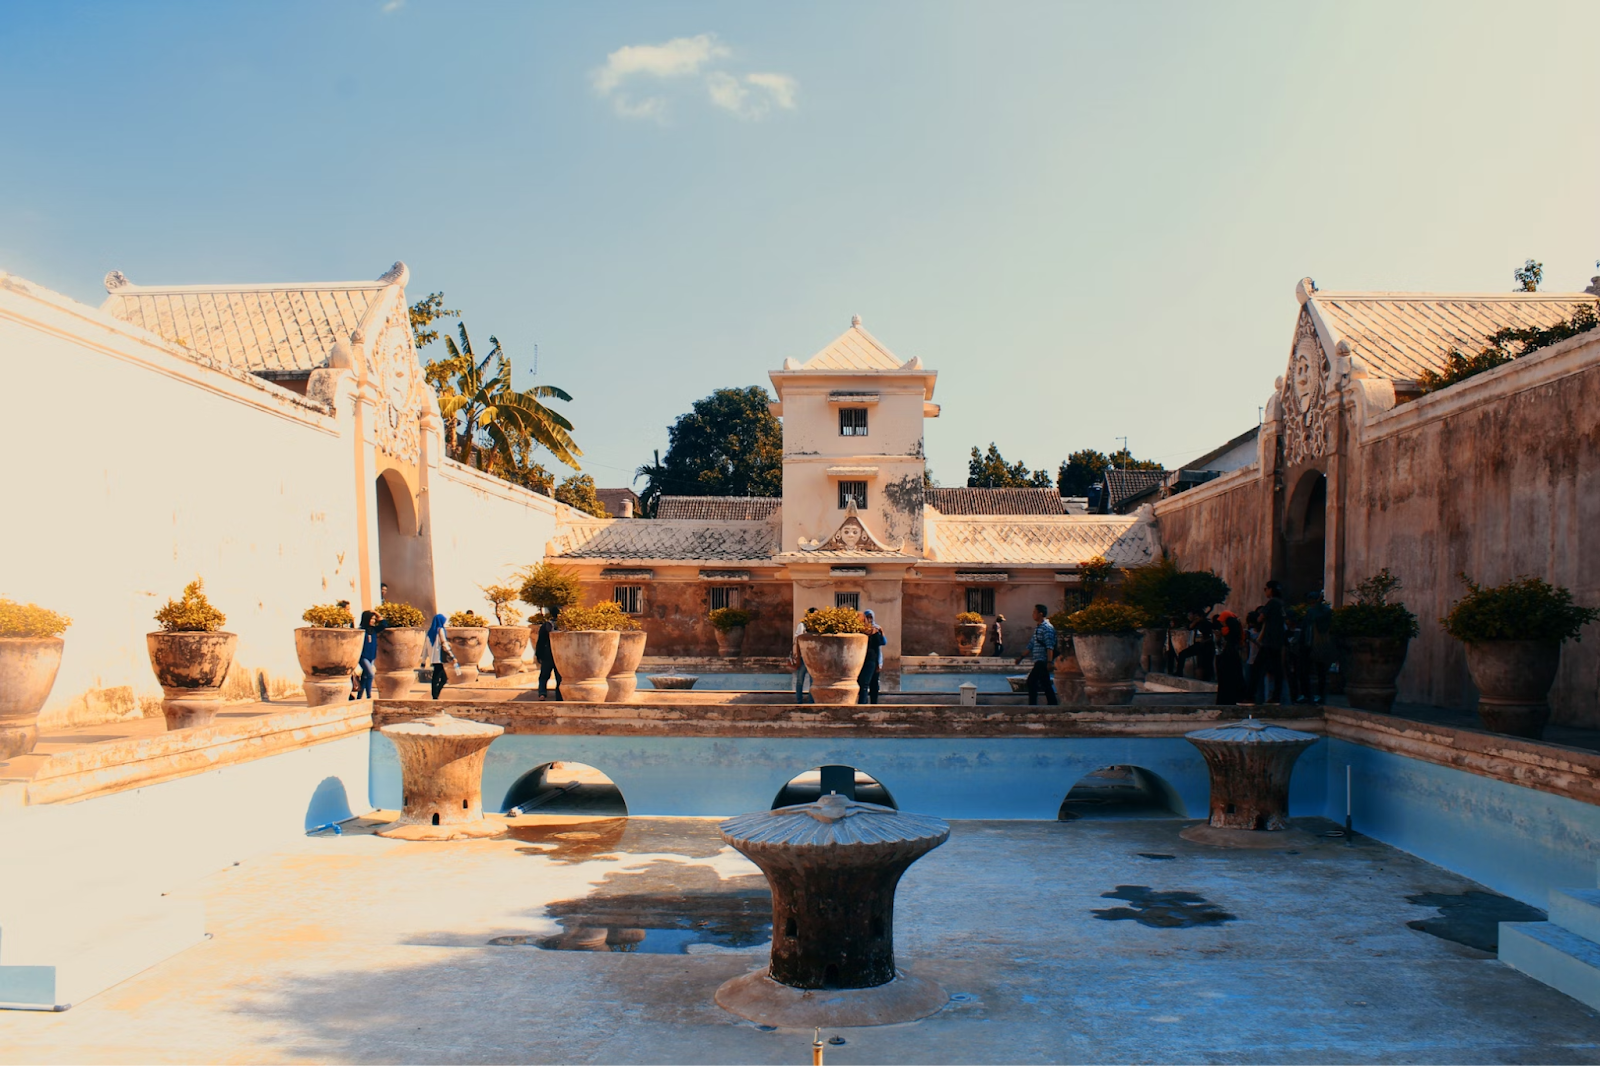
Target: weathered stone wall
(483,530)
(1224,526)
(675,616)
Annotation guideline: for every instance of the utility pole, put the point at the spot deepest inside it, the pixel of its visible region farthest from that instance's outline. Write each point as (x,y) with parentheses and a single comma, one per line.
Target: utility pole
(1124,441)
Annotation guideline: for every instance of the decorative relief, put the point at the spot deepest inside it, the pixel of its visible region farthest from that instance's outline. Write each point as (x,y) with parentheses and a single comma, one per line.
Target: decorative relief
(851,536)
(397,379)
(1303,397)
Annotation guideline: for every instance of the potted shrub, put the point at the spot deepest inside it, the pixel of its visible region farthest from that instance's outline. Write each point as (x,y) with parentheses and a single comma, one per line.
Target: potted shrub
(623,678)
(467,633)
(970,631)
(329,649)
(1373,635)
(834,647)
(400,649)
(508,640)
(550,588)
(729,623)
(30,655)
(1107,640)
(1069,675)
(191,656)
(1151,588)
(584,647)
(1513,635)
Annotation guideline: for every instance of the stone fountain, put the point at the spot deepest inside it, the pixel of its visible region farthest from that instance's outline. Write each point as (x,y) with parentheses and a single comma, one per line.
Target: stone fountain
(441,776)
(1250,763)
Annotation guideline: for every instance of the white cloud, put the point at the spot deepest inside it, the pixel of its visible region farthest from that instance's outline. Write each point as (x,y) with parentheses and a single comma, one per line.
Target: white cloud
(391,6)
(628,70)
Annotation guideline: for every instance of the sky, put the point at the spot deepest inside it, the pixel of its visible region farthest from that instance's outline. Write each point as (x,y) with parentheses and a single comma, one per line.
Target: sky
(1088,218)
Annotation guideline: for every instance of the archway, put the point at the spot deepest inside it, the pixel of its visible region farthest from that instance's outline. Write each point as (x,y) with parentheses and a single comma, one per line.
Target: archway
(405,561)
(847,781)
(565,788)
(1305,535)
(1121,791)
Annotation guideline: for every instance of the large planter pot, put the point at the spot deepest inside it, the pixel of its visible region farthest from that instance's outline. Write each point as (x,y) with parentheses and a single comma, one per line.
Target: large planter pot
(623,679)
(467,644)
(969,638)
(835,661)
(1514,679)
(730,642)
(1153,651)
(327,657)
(190,667)
(1369,666)
(28,668)
(584,658)
(1069,675)
(1108,662)
(506,644)
(398,656)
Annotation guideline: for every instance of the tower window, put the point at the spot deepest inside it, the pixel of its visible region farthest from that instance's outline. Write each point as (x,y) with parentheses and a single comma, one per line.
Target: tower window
(852,421)
(852,490)
(851,600)
(724,596)
(980,601)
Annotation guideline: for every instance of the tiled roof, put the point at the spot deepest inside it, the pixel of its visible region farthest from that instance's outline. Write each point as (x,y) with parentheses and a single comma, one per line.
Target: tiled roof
(718,508)
(251,327)
(854,349)
(961,501)
(1399,335)
(1125,485)
(1066,540)
(666,540)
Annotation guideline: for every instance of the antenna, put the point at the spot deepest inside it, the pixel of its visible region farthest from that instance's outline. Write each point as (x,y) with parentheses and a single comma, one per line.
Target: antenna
(1125,457)
(536,360)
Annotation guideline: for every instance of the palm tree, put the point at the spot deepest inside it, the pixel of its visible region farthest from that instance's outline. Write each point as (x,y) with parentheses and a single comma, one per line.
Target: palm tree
(490,424)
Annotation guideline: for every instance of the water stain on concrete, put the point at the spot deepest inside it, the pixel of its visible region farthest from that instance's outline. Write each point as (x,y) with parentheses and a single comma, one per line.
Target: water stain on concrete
(1154,855)
(1162,910)
(596,839)
(1472,918)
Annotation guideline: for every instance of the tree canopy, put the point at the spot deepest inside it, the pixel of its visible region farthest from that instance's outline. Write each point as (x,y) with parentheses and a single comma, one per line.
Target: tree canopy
(730,444)
(1085,468)
(578,491)
(989,470)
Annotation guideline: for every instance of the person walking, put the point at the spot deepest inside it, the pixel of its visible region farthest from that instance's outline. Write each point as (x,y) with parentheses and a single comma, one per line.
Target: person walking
(1201,649)
(437,654)
(1316,635)
(1274,641)
(999,636)
(1230,659)
(801,674)
(872,666)
(371,626)
(546,658)
(1042,647)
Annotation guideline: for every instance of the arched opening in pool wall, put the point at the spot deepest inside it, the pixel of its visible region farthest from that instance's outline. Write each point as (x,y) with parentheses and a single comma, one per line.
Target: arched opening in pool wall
(1121,791)
(564,788)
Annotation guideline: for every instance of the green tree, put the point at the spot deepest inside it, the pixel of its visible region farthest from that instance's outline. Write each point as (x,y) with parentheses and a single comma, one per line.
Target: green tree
(1529,276)
(423,313)
(730,444)
(1080,470)
(578,492)
(989,470)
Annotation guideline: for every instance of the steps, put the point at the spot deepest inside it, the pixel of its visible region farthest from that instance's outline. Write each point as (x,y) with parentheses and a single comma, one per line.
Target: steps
(1563,952)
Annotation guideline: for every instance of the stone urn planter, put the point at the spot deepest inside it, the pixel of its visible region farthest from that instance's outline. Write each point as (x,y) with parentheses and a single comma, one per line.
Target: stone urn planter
(1153,651)
(584,658)
(441,778)
(399,654)
(1370,666)
(467,644)
(1250,764)
(730,642)
(834,660)
(327,657)
(1069,675)
(1514,679)
(1108,662)
(969,638)
(28,668)
(190,667)
(507,644)
(623,680)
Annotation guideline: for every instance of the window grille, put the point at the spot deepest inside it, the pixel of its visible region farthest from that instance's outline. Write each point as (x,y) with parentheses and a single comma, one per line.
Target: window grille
(980,601)
(725,596)
(851,600)
(856,490)
(852,421)
(629,597)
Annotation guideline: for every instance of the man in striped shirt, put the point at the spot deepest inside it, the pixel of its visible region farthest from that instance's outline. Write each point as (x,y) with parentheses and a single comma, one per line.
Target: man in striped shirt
(1042,648)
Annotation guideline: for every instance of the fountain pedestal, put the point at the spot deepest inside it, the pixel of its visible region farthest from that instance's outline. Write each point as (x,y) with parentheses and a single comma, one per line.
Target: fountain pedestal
(1250,763)
(441,776)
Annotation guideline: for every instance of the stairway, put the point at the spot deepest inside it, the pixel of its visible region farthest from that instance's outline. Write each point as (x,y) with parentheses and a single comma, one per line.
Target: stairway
(1563,952)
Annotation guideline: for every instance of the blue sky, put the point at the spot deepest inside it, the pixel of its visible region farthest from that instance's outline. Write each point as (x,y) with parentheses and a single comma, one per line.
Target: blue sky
(1089,218)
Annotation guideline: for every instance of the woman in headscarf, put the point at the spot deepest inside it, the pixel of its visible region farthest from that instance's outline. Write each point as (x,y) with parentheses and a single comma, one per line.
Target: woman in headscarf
(438,653)
(371,626)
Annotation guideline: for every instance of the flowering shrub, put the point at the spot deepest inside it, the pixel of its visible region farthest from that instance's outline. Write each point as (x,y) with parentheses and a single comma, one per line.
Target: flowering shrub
(1372,615)
(192,614)
(401,615)
(30,620)
(607,615)
(726,618)
(969,618)
(468,620)
(328,616)
(1528,608)
(834,620)
(1106,617)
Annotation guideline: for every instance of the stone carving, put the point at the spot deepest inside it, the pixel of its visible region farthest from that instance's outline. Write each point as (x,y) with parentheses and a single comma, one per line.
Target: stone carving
(851,536)
(402,397)
(1303,397)
(115,280)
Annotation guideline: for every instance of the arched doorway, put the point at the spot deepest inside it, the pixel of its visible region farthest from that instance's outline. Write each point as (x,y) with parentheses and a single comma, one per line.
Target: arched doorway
(565,788)
(405,557)
(1305,535)
(1121,791)
(847,781)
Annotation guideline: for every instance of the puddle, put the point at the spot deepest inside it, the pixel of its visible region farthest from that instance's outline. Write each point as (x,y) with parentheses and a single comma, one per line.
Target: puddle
(1154,855)
(1472,918)
(598,839)
(1162,910)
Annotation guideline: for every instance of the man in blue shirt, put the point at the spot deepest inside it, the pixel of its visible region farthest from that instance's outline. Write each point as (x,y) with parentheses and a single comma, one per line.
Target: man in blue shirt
(1042,648)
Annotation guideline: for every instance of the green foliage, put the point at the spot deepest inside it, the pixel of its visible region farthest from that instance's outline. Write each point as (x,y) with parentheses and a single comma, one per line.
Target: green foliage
(834,620)
(969,618)
(990,471)
(1529,276)
(30,620)
(422,315)
(1105,617)
(1080,470)
(502,597)
(192,614)
(1199,590)
(328,616)
(602,616)
(1372,615)
(1062,621)
(578,492)
(729,444)
(726,618)
(1528,608)
(1153,588)
(1505,345)
(468,620)
(1095,576)
(550,586)
(401,615)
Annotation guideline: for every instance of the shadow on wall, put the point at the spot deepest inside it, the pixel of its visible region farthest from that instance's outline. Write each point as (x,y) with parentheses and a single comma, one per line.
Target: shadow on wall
(847,781)
(330,803)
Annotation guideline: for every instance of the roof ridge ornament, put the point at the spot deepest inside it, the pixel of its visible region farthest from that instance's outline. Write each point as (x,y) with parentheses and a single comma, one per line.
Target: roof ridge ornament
(398,274)
(1304,289)
(855,321)
(115,280)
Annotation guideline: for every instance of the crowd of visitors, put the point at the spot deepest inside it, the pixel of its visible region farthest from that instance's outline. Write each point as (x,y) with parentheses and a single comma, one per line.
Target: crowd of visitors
(1277,654)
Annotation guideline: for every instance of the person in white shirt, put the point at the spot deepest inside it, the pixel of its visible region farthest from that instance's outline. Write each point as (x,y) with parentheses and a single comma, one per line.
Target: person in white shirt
(800,674)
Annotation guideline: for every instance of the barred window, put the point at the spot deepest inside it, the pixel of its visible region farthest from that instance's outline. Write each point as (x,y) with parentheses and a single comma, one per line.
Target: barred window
(980,601)
(851,600)
(629,597)
(725,596)
(856,490)
(852,421)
